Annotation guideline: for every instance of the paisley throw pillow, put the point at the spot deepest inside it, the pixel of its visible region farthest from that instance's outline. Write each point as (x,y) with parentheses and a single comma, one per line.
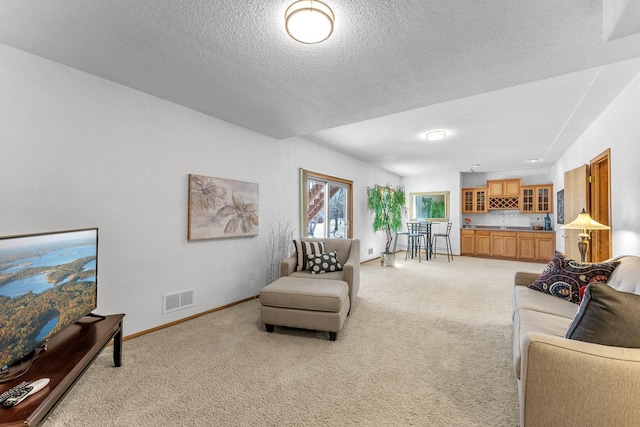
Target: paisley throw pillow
(564,276)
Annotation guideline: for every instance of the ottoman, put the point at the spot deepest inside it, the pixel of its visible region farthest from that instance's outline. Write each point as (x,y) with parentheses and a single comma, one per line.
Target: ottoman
(317,304)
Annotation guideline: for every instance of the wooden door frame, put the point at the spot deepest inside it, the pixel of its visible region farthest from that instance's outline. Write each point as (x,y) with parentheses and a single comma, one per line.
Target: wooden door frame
(600,205)
(576,198)
(304,199)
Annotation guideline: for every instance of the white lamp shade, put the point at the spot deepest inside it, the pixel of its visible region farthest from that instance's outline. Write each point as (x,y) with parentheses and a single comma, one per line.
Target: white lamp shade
(585,222)
(309,21)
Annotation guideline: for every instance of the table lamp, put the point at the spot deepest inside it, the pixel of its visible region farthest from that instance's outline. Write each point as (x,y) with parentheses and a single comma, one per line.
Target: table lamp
(584,222)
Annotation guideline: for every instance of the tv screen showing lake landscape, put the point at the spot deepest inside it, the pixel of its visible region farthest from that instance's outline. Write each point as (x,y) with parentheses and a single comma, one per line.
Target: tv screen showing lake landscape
(47,282)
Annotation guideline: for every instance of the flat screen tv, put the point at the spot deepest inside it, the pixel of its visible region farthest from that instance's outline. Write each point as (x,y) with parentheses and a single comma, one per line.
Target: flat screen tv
(47,282)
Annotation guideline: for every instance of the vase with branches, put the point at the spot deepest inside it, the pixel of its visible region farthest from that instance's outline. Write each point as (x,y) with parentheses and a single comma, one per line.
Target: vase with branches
(388,204)
(280,247)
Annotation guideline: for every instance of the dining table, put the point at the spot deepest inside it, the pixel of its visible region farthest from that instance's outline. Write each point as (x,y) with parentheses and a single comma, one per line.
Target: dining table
(417,231)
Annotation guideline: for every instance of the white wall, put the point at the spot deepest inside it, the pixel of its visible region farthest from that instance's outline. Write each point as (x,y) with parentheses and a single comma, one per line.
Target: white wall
(529,177)
(618,128)
(79,151)
(439,182)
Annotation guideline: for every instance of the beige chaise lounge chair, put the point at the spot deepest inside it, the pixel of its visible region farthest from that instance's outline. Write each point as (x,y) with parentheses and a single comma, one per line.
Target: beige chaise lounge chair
(300,299)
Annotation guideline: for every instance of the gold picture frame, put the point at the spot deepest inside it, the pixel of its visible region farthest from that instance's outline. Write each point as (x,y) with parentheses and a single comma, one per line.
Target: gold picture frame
(429,206)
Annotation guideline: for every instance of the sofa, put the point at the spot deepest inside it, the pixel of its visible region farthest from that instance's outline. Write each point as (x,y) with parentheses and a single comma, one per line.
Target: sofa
(317,300)
(573,382)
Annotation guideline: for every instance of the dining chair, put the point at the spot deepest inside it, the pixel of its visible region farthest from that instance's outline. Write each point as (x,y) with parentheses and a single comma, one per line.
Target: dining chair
(447,241)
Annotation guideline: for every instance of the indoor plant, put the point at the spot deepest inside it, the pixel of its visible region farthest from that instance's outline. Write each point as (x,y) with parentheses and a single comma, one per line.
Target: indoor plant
(388,204)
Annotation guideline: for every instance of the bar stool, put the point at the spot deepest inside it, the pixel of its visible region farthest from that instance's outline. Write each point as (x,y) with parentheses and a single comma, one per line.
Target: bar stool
(395,242)
(414,239)
(447,241)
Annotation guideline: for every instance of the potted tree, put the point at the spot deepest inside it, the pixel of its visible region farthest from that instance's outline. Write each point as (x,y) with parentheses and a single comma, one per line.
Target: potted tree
(388,204)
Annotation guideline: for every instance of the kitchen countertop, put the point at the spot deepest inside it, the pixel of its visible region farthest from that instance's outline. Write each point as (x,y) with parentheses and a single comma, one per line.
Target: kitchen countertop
(497,228)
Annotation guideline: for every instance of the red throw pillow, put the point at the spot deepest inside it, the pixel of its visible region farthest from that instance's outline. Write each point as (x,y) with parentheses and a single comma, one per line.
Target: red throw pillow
(582,289)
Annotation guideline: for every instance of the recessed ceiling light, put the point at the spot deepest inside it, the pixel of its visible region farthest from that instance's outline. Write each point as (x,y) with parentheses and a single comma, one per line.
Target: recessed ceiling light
(436,135)
(534,160)
(309,21)
(477,165)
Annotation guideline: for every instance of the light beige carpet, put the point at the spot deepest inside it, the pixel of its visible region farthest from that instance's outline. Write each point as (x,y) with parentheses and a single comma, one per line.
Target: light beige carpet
(426,344)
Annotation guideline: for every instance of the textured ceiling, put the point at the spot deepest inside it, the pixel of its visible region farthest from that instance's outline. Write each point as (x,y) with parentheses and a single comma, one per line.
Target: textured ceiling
(493,72)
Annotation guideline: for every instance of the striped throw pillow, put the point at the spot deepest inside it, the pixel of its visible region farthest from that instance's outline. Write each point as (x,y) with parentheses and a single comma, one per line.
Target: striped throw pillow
(307,248)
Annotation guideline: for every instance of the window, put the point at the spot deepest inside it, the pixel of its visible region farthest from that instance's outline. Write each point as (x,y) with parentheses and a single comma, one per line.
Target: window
(326,206)
(432,206)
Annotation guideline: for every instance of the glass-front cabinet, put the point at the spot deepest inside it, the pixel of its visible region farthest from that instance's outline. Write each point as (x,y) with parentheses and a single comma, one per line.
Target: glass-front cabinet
(537,198)
(474,200)
(544,198)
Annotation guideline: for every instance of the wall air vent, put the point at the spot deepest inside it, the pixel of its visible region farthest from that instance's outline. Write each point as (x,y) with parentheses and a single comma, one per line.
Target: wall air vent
(177,301)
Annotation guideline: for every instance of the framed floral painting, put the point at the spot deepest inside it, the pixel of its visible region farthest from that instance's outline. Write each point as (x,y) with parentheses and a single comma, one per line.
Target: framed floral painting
(220,208)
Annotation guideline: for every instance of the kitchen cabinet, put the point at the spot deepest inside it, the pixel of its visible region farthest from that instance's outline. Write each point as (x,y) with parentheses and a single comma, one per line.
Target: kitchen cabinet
(504,193)
(536,246)
(504,187)
(503,244)
(526,245)
(537,198)
(545,246)
(519,245)
(483,242)
(467,242)
(474,200)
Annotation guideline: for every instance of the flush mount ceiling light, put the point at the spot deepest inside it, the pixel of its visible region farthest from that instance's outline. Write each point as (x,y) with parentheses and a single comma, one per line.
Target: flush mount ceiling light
(309,21)
(436,135)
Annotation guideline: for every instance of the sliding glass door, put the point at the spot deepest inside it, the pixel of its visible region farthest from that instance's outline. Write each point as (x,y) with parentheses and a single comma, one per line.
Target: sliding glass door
(326,206)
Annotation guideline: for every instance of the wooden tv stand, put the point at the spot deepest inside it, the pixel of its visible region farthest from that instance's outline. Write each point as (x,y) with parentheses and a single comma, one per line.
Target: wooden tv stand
(67,357)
